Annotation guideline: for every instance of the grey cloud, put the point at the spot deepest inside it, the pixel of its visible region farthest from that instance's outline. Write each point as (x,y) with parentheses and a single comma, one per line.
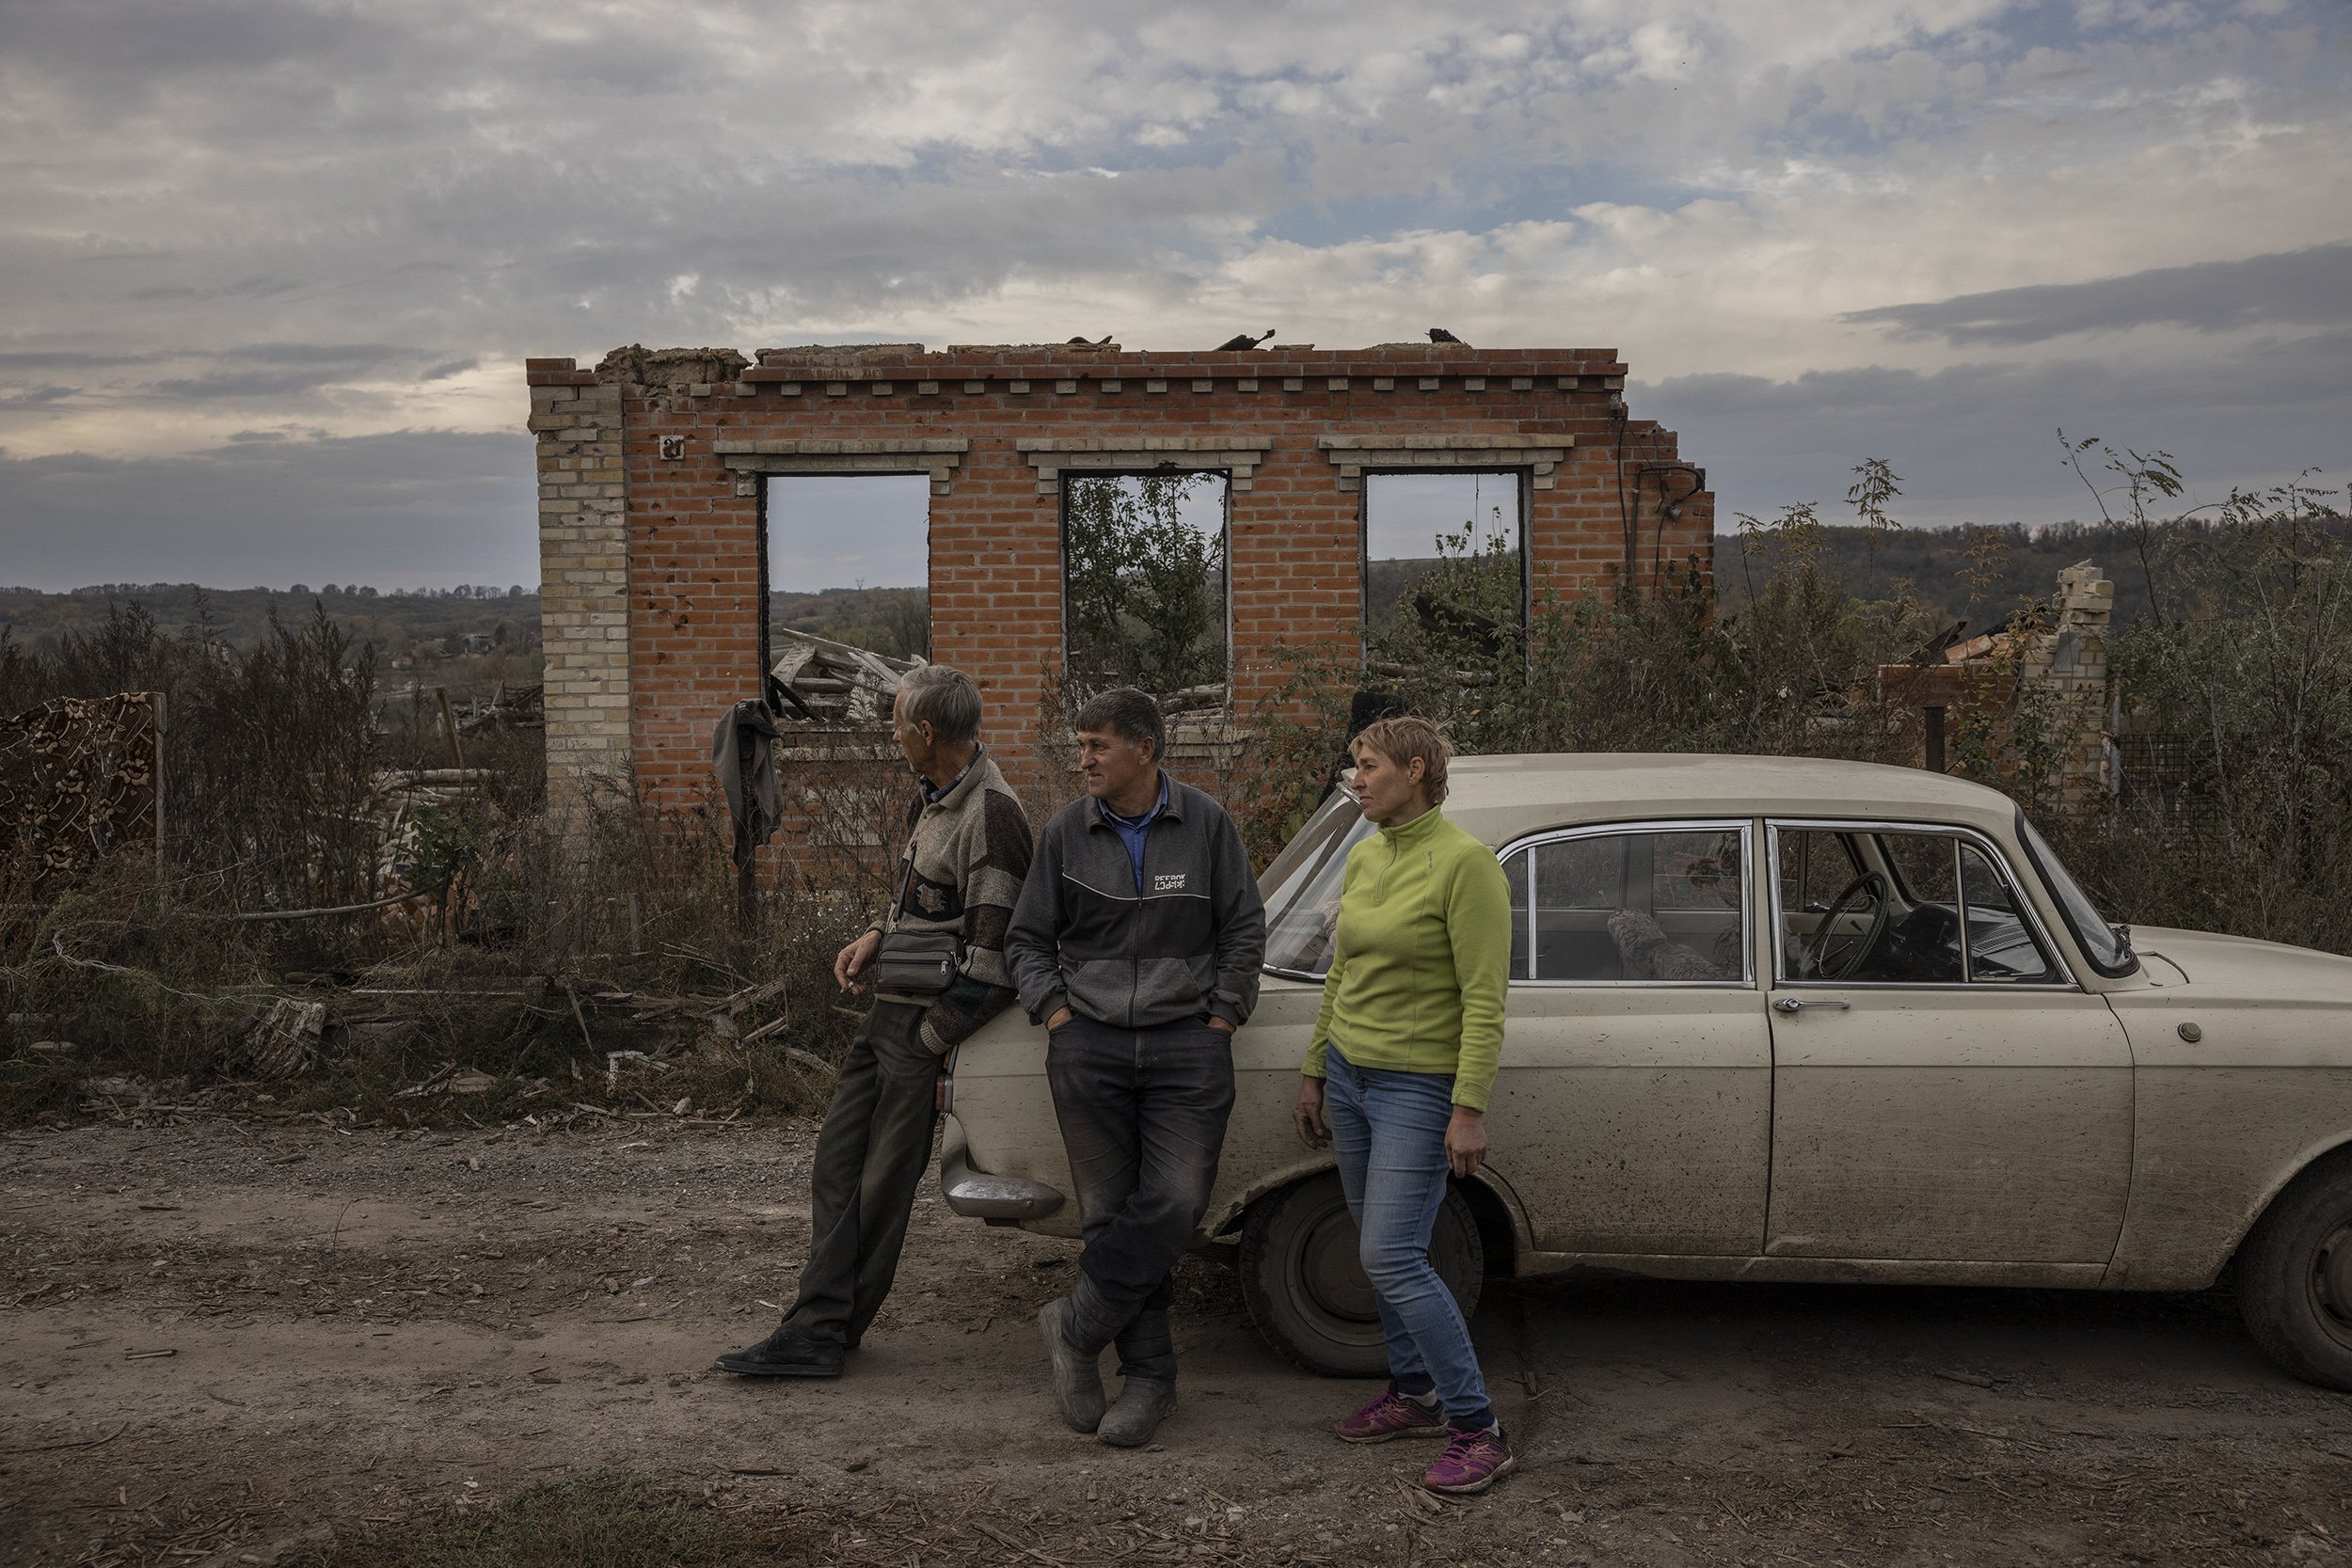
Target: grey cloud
(481,179)
(283,369)
(408,507)
(248,384)
(131,48)
(316,354)
(258,373)
(1978,442)
(243,288)
(60,360)
(2297,288)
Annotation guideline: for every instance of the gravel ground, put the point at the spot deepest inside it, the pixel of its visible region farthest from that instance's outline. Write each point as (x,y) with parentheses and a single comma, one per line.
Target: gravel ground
(239,1339)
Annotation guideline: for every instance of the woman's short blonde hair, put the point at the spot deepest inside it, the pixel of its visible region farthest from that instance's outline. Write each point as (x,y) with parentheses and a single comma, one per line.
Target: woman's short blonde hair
(1401,740)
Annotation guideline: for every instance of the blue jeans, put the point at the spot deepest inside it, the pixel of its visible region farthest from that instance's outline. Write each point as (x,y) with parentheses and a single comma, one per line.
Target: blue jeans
(1388,1134)
(1142,1114)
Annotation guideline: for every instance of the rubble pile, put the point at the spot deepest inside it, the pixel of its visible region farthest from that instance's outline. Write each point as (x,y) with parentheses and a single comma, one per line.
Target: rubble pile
(833,683)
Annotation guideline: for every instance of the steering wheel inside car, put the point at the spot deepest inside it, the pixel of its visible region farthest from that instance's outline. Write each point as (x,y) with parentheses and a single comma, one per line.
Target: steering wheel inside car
(1869,887)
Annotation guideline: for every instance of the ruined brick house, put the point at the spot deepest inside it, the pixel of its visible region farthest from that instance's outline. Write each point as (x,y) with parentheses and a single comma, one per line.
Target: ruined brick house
(653,470)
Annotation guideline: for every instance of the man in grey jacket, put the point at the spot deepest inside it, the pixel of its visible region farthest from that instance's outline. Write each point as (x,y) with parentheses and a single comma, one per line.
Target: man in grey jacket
(1136,942)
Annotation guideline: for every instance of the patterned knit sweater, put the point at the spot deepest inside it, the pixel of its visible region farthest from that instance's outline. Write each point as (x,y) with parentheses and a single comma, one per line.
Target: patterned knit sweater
(967,855)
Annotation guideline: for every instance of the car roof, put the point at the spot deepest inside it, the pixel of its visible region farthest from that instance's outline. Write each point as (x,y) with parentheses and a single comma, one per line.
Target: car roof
(1506,797)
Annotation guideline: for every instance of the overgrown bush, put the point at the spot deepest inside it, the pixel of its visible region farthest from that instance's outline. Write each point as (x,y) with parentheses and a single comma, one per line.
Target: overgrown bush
(269,754)
(534,953)
(1793,672)
(2248,826)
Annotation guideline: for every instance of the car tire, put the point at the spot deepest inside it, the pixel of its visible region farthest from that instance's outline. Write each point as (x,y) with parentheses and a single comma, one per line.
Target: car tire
(1306,1290)
(2295,1275)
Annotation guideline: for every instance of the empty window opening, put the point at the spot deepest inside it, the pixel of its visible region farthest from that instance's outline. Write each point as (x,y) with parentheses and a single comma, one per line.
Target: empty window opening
(1445,567)
(849,574)
(1143,586)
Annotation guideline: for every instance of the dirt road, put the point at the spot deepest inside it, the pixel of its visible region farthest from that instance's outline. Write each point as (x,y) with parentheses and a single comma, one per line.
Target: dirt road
(227,1340)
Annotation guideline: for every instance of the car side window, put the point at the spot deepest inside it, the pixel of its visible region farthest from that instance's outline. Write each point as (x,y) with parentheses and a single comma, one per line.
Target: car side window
(1893,920)
(2002,949)
(1662,906)
(1813,866)
(1913,908)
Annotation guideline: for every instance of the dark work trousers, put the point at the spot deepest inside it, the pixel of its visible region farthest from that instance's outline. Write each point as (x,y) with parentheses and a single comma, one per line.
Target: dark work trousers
(870,1156)
(1142,1114)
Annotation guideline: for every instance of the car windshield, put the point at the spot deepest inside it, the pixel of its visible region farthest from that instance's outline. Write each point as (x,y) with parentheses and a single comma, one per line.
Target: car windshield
(2107,947)
(1302,889)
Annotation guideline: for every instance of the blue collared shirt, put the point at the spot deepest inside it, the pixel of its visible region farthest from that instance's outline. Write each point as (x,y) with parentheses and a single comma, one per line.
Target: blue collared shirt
(1132,831)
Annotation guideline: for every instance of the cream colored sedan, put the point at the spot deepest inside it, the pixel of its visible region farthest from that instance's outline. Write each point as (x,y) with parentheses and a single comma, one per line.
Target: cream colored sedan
(1788,1019)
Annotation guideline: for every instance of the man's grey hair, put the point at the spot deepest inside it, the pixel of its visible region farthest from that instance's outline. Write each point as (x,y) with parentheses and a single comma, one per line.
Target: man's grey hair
(1127,713)
(942,697)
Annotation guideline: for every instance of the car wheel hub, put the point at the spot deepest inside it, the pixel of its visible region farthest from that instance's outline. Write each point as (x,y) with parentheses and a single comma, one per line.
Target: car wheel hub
(1332,1273)
(2331,1282)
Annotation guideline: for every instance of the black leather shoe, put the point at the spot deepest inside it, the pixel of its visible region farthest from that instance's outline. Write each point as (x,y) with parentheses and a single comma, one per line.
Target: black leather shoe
(785,1353)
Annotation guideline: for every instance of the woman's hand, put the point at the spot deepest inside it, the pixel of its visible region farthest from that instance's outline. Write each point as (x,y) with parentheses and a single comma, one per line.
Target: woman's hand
(1466,1140)
(1307,1116)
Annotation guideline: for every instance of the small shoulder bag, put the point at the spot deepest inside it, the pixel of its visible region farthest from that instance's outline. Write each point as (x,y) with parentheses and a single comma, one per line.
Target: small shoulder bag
(914,963)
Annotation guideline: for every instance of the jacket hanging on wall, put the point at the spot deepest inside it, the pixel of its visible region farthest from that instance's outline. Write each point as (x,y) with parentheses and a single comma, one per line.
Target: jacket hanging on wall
(742,749)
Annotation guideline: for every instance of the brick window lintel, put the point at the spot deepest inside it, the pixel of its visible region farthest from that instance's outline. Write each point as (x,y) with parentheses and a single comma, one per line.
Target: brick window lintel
(1238,456)
(1355,455)
(935,455)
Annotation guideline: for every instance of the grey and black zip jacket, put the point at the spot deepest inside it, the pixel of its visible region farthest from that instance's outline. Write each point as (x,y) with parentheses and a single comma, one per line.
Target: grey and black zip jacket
(1186,946)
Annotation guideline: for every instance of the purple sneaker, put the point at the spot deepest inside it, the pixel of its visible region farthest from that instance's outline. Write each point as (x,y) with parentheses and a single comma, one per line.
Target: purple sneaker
(1473,1462)
(1390,1415)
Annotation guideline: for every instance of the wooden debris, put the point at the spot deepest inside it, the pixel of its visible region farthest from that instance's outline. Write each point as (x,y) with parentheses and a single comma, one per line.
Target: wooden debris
(834,683)
(283,1039)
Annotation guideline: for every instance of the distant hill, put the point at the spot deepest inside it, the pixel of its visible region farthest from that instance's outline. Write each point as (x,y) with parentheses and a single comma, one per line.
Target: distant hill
(1934,564)
(891,621)
(421,640)
(394,622)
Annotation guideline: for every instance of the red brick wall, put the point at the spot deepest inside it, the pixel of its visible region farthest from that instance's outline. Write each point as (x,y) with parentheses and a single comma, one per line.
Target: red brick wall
(995,557)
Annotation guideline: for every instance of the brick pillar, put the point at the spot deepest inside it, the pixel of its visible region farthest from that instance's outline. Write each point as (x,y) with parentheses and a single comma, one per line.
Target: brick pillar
(583,582)
(2077,664)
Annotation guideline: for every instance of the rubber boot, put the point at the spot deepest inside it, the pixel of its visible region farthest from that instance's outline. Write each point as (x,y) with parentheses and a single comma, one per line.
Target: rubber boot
(1076,1375)
(1142,1405)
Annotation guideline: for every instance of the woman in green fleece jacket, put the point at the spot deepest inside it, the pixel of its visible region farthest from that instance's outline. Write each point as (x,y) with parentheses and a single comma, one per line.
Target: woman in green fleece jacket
(1396,1082)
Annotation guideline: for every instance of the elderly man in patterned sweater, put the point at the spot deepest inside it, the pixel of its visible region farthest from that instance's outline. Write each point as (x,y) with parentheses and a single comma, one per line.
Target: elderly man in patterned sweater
(967,852)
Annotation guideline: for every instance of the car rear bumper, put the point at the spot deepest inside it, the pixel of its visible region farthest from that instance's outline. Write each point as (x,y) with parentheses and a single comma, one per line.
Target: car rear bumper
(976,1194)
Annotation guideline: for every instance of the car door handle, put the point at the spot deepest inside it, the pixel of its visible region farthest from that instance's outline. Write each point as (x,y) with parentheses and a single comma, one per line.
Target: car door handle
(1793,1004)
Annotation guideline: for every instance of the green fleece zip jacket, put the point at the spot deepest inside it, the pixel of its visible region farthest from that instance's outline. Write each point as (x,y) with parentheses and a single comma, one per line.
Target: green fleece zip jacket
(1421,959)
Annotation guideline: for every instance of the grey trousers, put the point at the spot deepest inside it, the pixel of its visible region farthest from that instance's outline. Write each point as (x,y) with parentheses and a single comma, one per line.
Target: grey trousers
(1142,1114)
(872,1155)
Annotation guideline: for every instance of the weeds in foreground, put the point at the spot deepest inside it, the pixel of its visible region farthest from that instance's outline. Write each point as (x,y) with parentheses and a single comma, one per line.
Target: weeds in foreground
(551,976)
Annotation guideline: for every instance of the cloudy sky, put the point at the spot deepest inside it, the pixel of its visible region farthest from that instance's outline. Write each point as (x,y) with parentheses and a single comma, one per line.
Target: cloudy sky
(273,266)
